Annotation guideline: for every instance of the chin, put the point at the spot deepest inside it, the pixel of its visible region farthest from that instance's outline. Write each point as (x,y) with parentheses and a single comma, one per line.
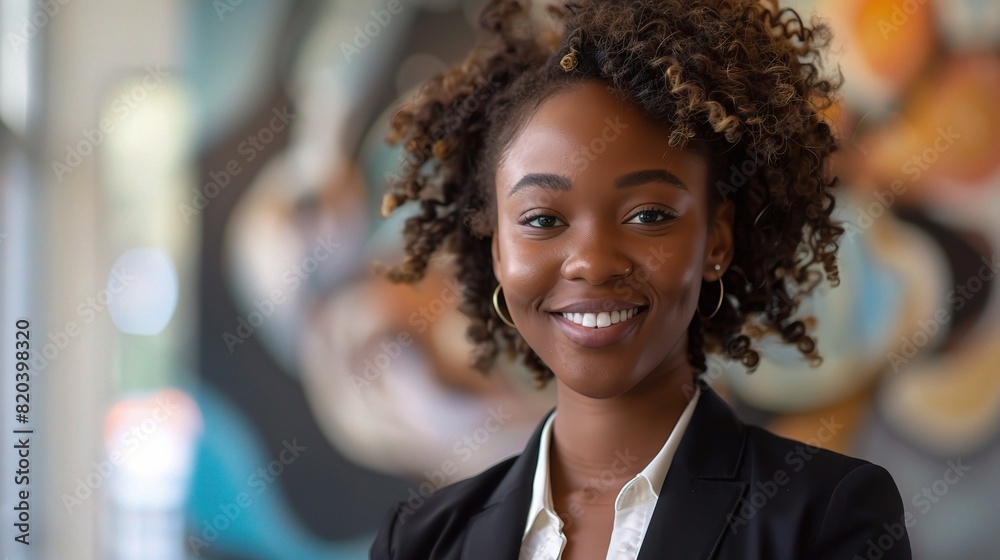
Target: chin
(596,382)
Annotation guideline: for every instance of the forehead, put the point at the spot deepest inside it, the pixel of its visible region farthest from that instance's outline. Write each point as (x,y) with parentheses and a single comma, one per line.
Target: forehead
(585,132)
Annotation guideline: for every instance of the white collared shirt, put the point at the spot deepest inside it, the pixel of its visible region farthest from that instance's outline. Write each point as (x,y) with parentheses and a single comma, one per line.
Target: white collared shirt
(543,537)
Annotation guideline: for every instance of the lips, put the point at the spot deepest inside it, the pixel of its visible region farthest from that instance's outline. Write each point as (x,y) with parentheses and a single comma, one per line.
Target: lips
(604,332)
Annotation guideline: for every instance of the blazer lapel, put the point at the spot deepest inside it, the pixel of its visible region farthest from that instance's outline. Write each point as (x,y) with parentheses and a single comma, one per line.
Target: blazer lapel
(495,533)
(699,494)
(701,490)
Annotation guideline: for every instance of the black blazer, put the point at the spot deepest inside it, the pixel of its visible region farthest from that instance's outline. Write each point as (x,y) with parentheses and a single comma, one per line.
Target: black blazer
(733,492)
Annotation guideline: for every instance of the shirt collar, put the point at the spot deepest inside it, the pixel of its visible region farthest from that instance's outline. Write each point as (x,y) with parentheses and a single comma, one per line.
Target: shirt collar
(541,490)
(651,477)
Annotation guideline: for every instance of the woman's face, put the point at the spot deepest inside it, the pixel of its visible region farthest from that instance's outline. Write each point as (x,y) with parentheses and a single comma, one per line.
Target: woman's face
(587,190)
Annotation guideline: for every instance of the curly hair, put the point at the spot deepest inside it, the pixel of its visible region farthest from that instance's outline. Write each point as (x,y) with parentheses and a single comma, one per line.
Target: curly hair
(739,80)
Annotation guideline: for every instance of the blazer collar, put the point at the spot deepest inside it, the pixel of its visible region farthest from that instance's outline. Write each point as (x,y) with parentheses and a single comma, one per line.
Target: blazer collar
(496,532)
(698,496)
(702,488)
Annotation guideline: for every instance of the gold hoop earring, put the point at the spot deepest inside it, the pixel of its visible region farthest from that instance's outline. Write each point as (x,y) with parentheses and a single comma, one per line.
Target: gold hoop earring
(496,307)
(722,291)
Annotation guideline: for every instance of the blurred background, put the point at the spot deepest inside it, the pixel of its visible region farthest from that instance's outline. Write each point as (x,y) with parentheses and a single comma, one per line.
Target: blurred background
(189,196)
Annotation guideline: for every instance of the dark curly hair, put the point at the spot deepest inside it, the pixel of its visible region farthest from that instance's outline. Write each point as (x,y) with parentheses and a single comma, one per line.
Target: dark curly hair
(738,80)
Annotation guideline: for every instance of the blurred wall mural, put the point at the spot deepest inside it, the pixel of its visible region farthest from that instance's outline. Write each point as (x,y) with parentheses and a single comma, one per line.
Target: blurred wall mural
(374,376)
(911,371)
(303,395)
(909,338)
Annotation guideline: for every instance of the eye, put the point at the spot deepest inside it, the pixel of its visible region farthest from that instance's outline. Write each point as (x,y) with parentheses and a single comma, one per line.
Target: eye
(651,215)
(541,221)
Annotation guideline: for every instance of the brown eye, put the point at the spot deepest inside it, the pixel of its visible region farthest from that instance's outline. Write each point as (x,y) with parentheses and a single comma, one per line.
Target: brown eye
(651,216)
(541,221)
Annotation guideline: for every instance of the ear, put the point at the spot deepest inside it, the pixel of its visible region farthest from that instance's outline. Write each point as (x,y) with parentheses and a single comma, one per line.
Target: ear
(719,248)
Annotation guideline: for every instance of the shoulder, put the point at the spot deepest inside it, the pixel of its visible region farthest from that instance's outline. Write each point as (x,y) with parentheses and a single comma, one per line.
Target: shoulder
(424,518)
(766,452)
(843,504)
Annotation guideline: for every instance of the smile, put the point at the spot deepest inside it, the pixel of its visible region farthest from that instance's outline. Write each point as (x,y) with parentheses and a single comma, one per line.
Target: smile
(603,328)
(601,319)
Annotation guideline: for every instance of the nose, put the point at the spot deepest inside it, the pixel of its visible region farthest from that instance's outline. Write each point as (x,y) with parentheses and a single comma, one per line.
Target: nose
(596,258)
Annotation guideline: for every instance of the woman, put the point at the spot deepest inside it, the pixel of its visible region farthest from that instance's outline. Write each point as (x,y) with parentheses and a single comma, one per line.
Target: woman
(640,185)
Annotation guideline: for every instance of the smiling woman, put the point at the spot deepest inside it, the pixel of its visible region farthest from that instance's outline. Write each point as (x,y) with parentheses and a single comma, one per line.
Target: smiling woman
(585,199)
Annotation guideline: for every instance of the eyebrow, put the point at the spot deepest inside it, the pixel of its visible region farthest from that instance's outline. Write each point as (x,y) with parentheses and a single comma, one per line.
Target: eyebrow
(555,182)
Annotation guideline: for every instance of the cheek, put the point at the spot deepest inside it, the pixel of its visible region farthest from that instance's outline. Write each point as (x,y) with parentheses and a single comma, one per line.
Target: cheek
(678,284)
(689,288)
(526,272)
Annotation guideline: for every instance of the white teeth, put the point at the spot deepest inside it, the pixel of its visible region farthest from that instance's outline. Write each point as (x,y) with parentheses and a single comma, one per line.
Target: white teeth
(601,319)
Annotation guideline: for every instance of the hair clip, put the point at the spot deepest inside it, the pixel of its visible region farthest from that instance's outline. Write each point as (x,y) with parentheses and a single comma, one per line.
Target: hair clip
(568,62)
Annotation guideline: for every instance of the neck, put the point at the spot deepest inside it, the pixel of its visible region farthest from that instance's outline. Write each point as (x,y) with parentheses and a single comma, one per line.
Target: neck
(593,439)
